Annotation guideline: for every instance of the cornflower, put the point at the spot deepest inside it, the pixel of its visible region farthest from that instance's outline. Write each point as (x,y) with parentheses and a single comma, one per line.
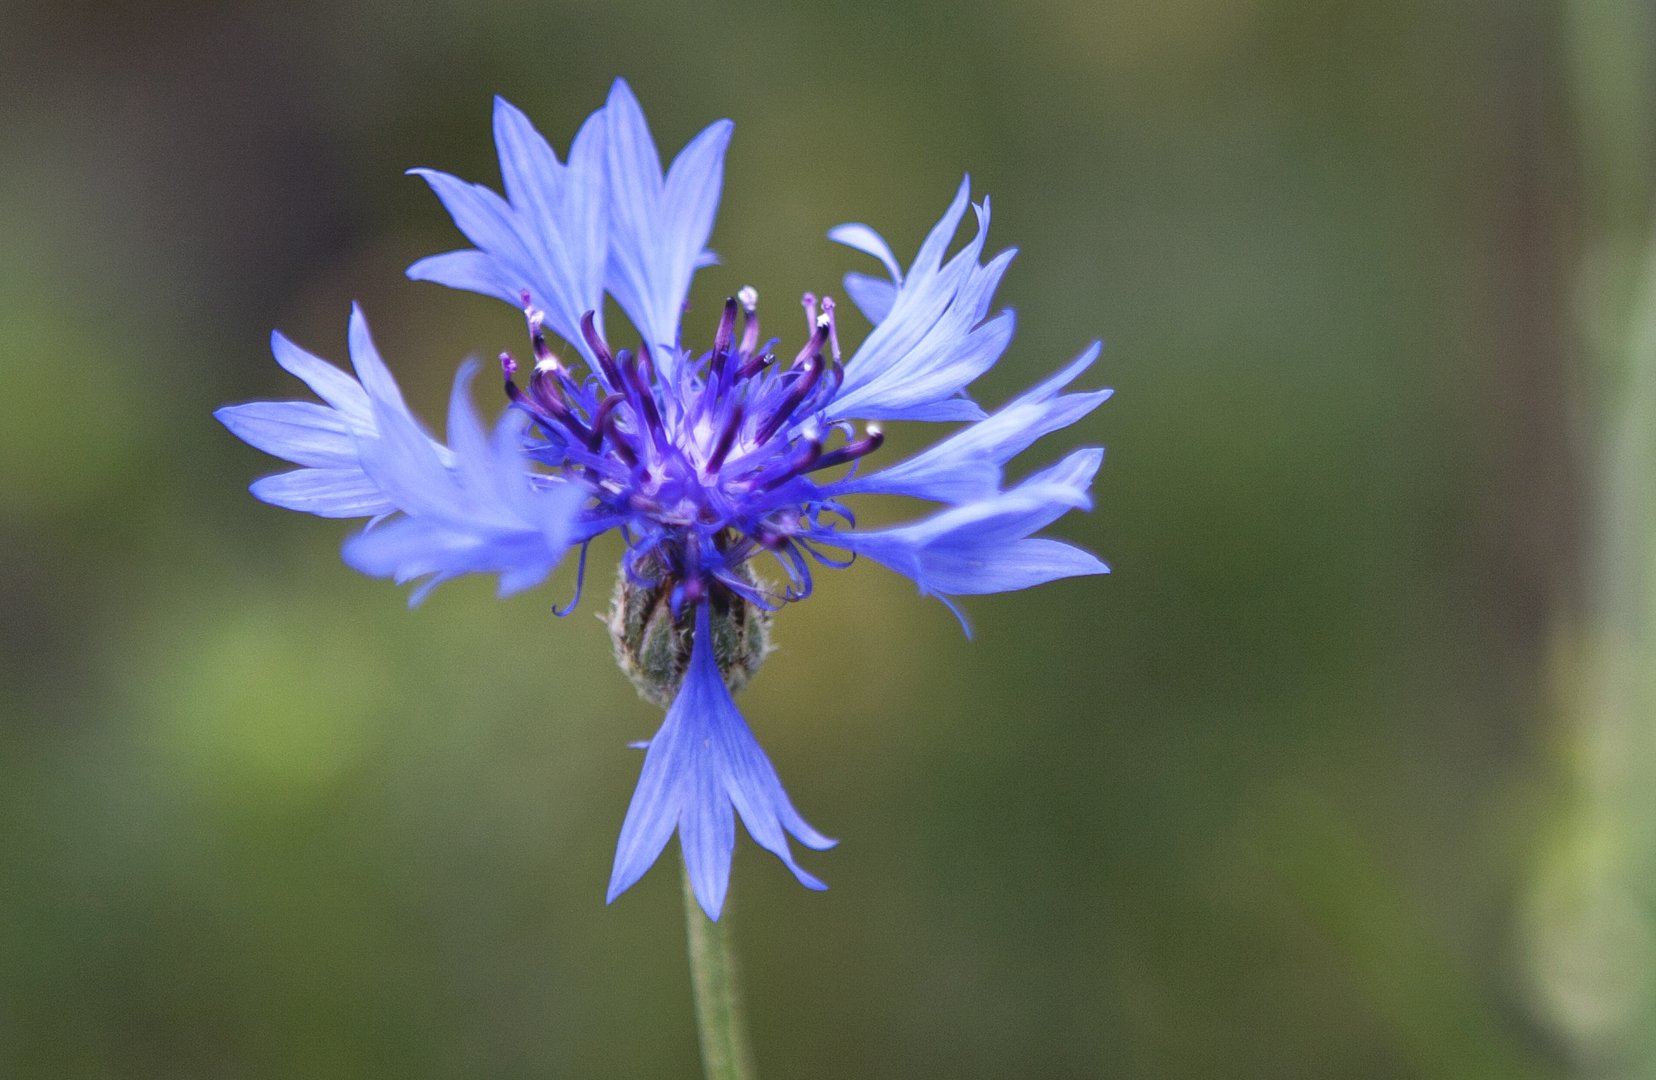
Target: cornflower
(705,460)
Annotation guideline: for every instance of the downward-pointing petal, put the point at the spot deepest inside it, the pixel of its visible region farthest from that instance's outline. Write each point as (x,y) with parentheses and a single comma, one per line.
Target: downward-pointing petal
(703,763)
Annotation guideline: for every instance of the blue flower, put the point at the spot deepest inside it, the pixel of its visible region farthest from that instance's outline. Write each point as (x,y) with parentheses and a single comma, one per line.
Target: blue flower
(706,461)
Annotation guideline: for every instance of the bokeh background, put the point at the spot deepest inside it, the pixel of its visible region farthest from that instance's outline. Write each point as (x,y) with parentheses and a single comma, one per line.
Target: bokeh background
(1345,772)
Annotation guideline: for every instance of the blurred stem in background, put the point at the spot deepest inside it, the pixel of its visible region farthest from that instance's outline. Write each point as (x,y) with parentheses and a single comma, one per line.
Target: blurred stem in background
(720,1023)
(1591,917)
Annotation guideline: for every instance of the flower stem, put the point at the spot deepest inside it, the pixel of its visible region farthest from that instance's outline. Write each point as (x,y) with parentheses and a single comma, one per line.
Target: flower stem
(720,1024)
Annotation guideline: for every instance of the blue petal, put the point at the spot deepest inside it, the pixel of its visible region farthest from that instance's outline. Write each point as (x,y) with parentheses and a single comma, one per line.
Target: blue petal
(528,167)
(967,465)
(300,431)
(707,835)
(548,237)
(659,226)
(397,453)
(469,271)
(328,382)
(984,546)
(872,296)
(329,439)
(936,369)
(936,243)
(695,181)
(486,220)
(341,493)
(657,801)
(972,569)
(865,239)
(480,513)
(703,764)
(563,210)
(953,409)
(1073,474)
(472,508)
(375,377)
(933,338)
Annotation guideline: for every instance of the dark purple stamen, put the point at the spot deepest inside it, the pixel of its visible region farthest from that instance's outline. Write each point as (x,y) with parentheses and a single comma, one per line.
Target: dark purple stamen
(813,344)
(826,390)
(809,374)
(548,407)
(851,451)
(618,441)
(638,391)
(727,438)
(727,330)
(601,421)
(595,341)
(753,365)
(803,460)
(722,360)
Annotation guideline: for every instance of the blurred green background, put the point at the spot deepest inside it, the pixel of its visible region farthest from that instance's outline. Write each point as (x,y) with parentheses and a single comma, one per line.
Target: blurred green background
(1309,788)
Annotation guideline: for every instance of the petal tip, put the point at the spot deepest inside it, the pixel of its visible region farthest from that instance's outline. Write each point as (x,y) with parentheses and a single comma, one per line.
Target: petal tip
(621,92)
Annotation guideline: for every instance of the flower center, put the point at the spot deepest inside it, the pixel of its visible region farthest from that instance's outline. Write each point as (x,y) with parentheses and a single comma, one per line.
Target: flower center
(703,462)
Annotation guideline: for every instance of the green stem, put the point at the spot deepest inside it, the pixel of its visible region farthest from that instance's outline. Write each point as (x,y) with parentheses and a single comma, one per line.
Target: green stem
(725,1052)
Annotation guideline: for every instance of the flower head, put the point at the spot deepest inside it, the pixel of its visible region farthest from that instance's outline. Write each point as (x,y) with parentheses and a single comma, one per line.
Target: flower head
(724,461)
